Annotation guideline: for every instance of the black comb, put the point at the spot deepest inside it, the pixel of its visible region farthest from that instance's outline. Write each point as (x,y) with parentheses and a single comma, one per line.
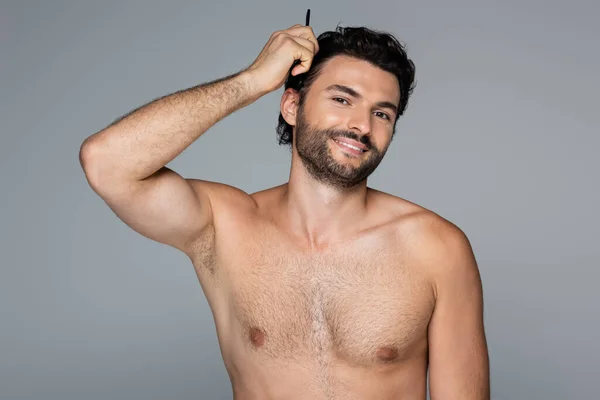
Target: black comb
(307,24)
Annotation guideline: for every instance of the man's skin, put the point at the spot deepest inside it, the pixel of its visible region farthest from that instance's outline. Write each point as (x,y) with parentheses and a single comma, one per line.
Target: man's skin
(319,289)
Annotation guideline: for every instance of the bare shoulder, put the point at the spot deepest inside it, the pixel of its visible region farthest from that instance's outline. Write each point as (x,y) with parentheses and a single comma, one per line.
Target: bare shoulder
(221,195)
(407,215)
(444,252)
(435,242)
(226,204)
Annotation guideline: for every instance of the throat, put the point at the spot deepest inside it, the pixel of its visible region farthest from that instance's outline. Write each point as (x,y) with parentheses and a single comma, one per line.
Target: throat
(320,215)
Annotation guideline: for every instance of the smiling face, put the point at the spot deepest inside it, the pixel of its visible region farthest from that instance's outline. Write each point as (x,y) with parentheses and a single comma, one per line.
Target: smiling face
(346,121)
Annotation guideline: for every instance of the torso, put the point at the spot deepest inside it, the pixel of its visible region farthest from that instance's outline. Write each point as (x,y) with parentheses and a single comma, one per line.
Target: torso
(346,322)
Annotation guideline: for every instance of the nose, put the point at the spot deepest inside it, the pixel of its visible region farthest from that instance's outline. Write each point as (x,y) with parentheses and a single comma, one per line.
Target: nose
(360,122)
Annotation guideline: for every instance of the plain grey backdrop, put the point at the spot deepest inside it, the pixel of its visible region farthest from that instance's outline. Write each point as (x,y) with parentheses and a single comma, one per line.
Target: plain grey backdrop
(500,137)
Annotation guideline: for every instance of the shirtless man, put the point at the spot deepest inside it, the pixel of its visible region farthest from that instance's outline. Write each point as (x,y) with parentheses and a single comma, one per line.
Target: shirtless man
(321,288)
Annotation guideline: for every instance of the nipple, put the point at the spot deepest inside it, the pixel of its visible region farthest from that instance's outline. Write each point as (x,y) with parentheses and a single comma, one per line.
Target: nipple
(387,353)
(257,337)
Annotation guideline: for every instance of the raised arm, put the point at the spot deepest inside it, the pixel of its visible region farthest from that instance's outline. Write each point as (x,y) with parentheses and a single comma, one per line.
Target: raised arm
(125,163)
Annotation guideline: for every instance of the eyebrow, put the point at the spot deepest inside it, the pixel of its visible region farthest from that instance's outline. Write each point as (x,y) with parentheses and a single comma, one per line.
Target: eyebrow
(355,94)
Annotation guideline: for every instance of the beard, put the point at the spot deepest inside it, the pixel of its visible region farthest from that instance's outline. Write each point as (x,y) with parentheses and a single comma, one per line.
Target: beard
(312,145)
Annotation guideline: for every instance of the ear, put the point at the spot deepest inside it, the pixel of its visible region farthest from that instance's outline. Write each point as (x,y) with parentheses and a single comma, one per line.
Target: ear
(289,106)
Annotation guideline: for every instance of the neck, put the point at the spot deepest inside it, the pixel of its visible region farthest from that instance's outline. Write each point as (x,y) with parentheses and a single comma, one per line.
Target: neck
(318,212)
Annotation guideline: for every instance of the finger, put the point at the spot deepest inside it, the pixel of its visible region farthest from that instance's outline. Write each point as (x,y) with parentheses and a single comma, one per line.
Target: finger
(305,57)
(309,44)
(305,32)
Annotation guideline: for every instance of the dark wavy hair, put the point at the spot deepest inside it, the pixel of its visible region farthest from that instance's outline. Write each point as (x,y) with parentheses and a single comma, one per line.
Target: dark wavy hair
(379,48)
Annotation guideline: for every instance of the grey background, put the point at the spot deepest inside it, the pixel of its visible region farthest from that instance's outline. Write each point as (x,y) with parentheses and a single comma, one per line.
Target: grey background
(500,137)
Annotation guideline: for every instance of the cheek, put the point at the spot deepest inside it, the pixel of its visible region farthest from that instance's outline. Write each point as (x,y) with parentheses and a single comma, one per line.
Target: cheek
(381,140)
(332,118)
(325,116)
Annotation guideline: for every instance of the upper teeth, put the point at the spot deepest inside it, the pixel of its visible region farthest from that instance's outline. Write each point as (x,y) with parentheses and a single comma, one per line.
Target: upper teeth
(349,145)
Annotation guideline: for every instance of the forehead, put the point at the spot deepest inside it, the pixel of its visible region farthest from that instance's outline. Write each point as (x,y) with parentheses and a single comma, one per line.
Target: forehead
(369,80)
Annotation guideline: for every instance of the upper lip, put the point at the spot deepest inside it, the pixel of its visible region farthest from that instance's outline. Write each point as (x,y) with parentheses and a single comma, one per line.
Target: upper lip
(352,142)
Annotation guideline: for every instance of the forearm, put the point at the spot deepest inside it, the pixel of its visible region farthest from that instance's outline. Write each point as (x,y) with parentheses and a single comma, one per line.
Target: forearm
(140,143)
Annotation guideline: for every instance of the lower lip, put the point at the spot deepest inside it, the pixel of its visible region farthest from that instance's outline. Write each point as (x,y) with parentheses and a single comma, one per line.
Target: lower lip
(349,149)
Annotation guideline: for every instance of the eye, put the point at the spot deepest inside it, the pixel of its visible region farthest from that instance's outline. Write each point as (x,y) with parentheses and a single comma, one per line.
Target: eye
(339,99)
(385,116)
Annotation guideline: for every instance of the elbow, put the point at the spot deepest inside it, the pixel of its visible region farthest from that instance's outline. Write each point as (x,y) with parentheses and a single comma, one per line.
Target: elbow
(89,159)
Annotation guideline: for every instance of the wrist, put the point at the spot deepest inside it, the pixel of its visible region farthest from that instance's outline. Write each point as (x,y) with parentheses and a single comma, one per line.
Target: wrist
(251,83)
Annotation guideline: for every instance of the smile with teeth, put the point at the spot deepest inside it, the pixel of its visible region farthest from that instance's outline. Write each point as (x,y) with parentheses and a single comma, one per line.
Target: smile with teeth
(349,145)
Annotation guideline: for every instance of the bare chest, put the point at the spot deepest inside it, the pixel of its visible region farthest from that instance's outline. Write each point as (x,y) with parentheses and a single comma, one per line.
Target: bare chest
(362,303)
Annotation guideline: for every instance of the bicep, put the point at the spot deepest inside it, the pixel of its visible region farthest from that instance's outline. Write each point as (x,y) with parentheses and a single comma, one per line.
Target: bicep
(164,207)
(458,356)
